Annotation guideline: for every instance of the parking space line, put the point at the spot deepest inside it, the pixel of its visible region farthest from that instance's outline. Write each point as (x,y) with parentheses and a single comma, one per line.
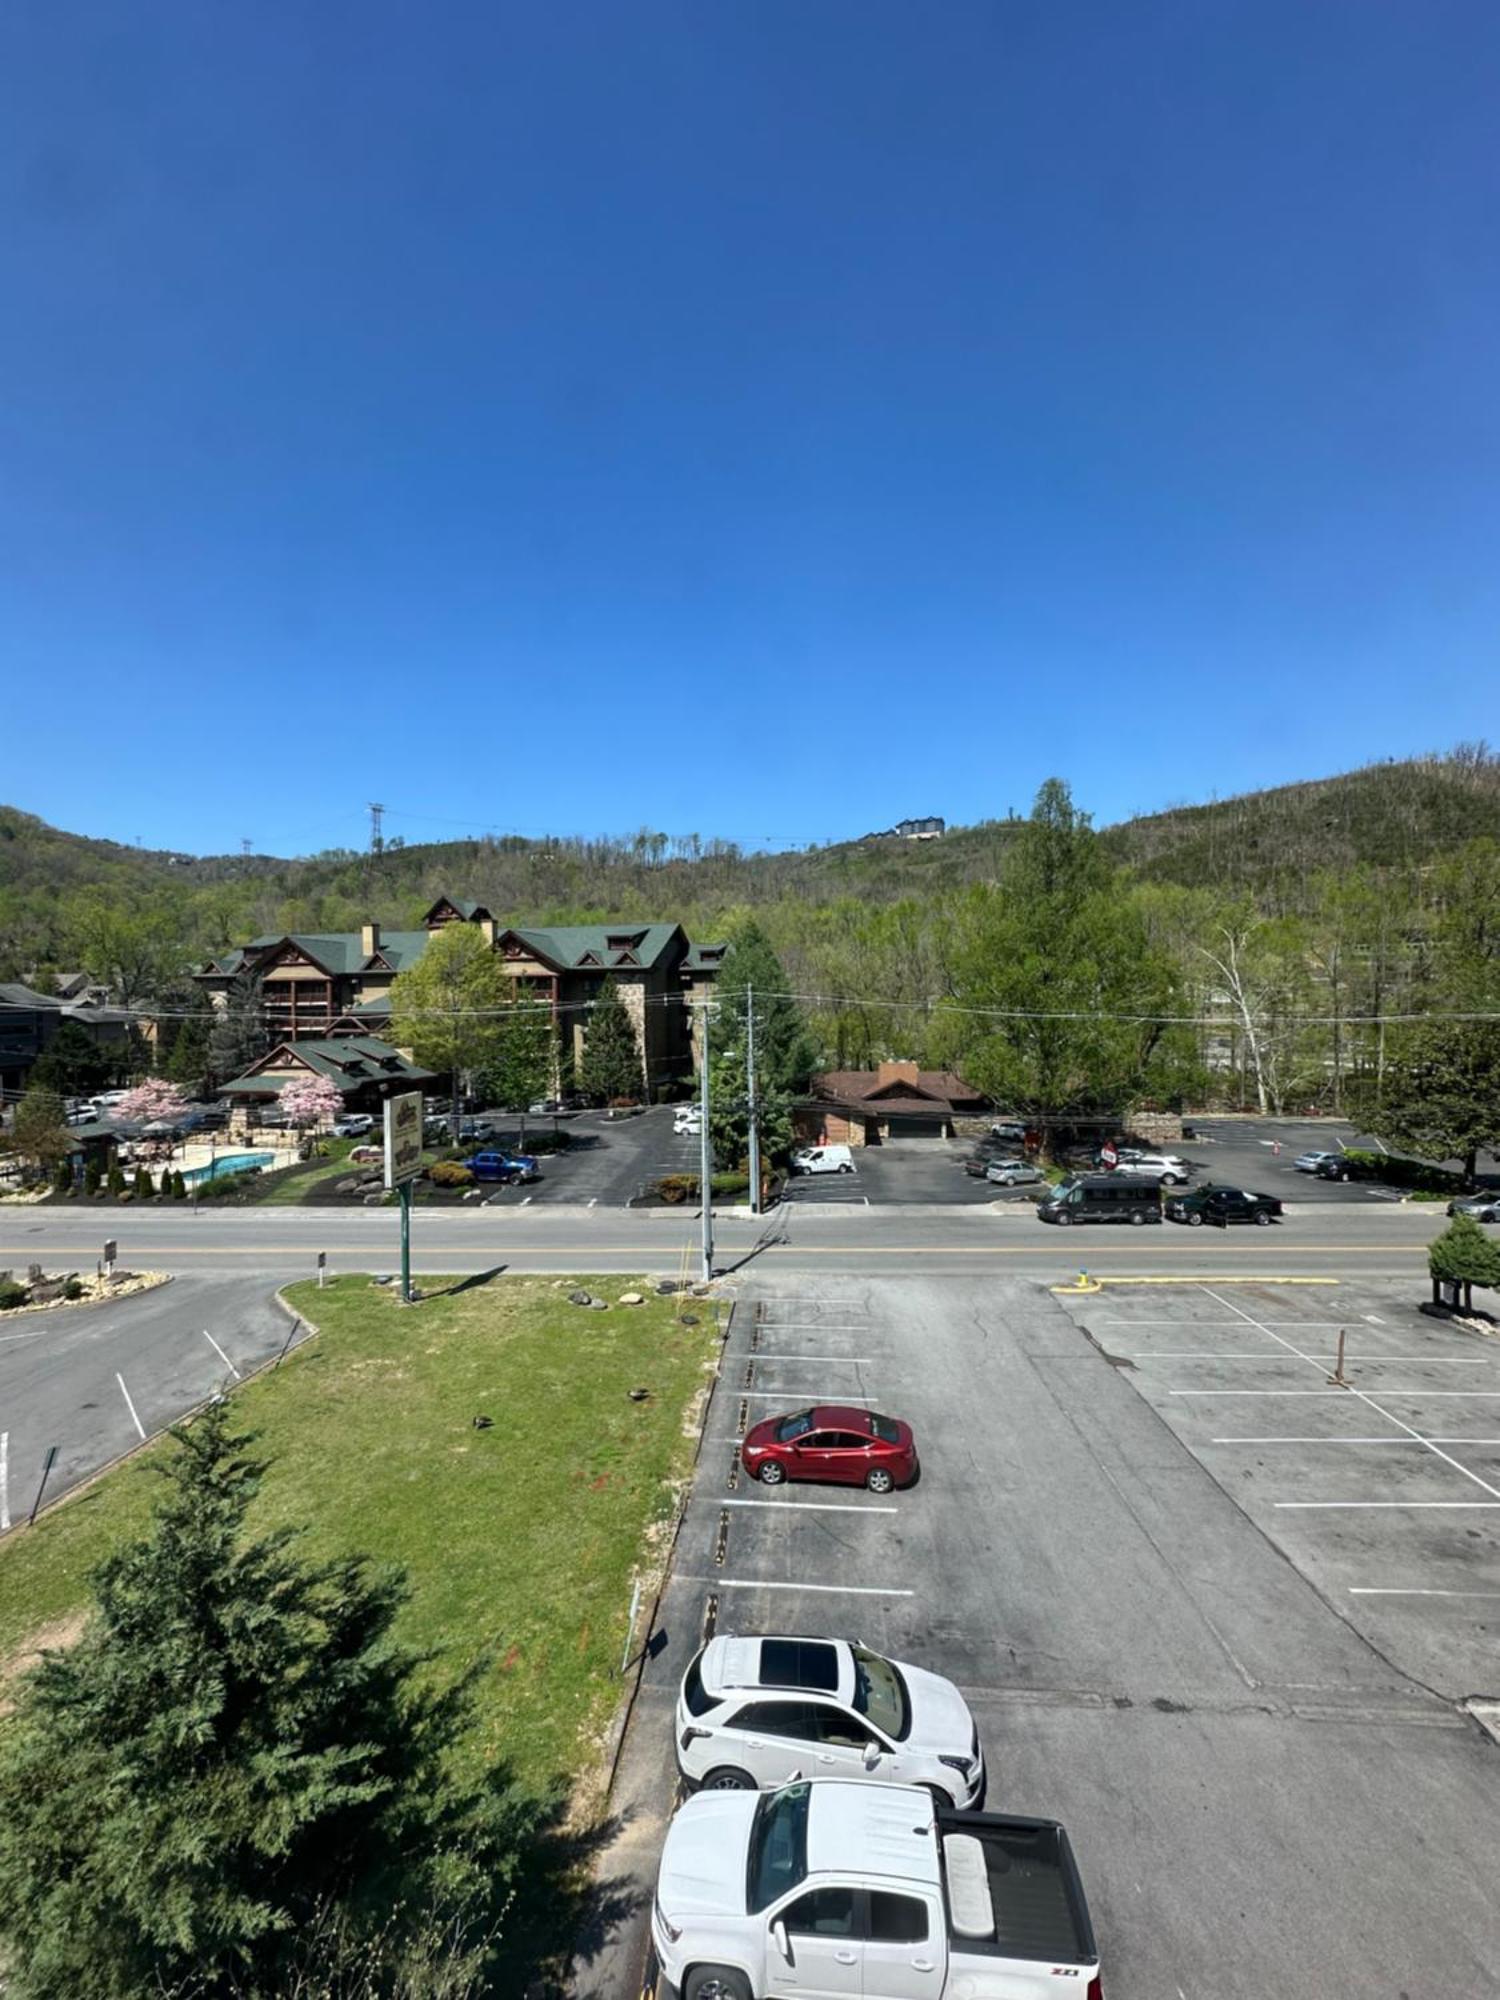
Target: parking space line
(1418,1395)
(842,1360)
(4,1482)
(1380,1506)
(807,1326)
(780,1396)
(1367,1591)
(1361,1361)
(222,1355)
(822,1589)
(1408,1442)
(1370,1402)
(811,1506)
(140,1427)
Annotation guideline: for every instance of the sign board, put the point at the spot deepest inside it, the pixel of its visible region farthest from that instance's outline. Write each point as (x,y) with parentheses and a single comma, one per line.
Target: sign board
(403,1138)
(111,1251)
(1108,1155)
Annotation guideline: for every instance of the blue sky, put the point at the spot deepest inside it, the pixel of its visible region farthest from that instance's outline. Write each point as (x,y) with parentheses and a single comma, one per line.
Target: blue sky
(760,419)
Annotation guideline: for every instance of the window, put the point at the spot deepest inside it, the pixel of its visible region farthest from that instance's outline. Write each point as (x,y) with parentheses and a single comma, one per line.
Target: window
(897,1919)
(778,1846)
(824,1913)
(794,1427)
(844,1441)
(840,1730)
(791,1719)
(798,1663)
(694,1693)
(880,1693)
(883,1428)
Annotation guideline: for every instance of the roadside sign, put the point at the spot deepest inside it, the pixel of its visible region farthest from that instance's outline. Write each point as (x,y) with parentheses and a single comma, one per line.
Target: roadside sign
(322,1267)
(403,1138)
(111,1251)
(1109,1154)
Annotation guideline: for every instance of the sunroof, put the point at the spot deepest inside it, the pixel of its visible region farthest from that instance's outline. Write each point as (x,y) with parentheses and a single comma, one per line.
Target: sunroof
(799,1663)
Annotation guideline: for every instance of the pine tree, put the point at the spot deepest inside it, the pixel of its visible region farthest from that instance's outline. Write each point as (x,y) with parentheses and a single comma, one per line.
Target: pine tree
(239,1033)
(611,1065)
(234,1751)
(1463,1256)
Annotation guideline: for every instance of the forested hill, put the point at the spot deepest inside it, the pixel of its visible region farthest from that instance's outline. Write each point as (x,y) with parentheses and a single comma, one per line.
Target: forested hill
(1395,815)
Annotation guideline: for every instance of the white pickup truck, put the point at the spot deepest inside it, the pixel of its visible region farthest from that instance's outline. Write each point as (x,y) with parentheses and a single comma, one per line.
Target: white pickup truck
(830,1887)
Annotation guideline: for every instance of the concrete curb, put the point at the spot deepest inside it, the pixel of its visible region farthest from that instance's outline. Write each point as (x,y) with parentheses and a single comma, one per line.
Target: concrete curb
(1486,1712)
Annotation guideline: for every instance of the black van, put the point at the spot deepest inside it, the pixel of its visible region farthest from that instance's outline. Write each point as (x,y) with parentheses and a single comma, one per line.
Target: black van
(1102,1198)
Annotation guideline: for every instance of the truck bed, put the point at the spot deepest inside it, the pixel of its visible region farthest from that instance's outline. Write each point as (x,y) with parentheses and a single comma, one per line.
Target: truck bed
(1034,1906)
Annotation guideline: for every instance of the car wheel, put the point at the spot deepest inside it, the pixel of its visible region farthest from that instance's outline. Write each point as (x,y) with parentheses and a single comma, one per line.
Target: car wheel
(727,1778)
(715,1982)
(771,1473)
(1169,1180)
(1262,1218)
(846,1168)
(1195,1220)
(1063,1217)
(1137,1217)
(879,1481)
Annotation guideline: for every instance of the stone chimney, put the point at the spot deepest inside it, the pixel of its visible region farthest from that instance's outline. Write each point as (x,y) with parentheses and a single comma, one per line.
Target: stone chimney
(490,929)
(895,1072)
(369,939)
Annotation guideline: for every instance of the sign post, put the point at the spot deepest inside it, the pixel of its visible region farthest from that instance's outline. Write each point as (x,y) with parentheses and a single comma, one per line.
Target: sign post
(322,1267)
(1109,1154)
(111,1251)
(403,1162)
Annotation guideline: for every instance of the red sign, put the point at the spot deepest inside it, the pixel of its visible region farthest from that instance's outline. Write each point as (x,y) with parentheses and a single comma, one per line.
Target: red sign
(1108,1155)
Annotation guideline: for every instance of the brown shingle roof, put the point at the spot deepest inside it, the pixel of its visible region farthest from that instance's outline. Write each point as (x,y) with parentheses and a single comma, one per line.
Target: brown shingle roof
(865,1087)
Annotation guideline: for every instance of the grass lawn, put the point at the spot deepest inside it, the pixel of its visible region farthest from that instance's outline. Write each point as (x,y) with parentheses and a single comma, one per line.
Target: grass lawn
(519,1541)
(290,1190)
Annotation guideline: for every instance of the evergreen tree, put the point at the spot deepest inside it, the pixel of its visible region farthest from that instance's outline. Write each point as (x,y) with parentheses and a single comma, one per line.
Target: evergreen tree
(611,1065)
(752,977)
(235,1753)
(524,1062)
(1463,1256)
(72,1063)
(238,1034)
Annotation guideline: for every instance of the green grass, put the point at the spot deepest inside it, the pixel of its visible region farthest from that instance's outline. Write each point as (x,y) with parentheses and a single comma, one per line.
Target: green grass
(519,1541)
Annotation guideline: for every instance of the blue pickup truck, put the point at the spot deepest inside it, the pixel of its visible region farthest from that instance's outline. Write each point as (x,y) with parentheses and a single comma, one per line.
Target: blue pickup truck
(507,1168)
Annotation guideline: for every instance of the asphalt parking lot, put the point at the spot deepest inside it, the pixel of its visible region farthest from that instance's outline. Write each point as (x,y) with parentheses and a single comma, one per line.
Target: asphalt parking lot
(926,1171)
(1385,1494)
(1143,1659)
(609,1162)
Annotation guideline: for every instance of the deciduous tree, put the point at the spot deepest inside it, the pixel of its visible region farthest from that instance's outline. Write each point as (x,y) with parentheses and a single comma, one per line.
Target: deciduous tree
(447,1008)
(311,1100)
(39,1135)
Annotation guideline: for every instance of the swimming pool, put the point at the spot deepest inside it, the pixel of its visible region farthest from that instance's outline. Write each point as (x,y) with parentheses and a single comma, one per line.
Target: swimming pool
(228,1163)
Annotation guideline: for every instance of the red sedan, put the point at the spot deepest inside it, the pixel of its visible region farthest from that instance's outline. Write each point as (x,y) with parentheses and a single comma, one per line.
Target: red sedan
(845,1446)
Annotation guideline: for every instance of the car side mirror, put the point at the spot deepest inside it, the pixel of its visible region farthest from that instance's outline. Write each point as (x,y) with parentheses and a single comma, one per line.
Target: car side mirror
(782,1942)
(872,1756)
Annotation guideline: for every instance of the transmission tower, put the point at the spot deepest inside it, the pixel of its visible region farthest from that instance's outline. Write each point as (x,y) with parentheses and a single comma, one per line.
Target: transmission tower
(245,846)
(377,838)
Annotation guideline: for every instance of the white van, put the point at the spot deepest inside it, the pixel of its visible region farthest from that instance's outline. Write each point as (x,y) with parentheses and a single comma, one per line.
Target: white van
(822,1160)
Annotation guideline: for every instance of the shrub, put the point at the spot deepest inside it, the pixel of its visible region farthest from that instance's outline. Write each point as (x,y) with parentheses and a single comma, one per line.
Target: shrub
(73,1289)
(91,1178)
(62,1177)
(143,1187)
(179,1185)
(116,1181)
(449,1174)
(11,1295)
(675,1188)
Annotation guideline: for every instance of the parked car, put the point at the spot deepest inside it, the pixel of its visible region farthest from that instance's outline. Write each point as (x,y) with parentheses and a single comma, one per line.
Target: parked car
(366,1156)
(827,1887)
(832,1442)
(1008,1129)
(552,1107)
(978,1164)
(1013,1173)
(1167,1168)
(1222,1205)
(760,1710)
(1113,1197)
(1483,1207)
(689,1122)
(822,1160)
(353,1125)
(503,1167)
(1341,1167)
(1308,1163)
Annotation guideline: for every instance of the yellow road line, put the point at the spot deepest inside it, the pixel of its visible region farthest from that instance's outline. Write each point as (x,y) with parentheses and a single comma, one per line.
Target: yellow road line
(500,1251)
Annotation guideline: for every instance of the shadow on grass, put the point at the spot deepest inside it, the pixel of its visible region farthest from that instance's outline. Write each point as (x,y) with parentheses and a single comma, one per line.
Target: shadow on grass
(470,1284)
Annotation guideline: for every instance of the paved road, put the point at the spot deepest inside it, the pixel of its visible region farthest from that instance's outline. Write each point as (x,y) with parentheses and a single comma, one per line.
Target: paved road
(1262,1803)
(90,1379)
(1385,1238)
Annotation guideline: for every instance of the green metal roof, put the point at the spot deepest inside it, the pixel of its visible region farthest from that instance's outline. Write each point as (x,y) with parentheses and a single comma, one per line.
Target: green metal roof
(350,1061)
(587,947)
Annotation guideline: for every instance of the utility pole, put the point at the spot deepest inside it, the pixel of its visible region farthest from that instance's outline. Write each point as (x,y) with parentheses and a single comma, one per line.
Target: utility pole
(705,1149)
(750,1094)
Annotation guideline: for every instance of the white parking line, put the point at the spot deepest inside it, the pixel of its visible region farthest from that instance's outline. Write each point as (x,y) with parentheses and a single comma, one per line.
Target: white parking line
(4,1481)
(780,1396)
(222,1355)
(845,1360)
(823,1589)
(1361,1361)
(1408,1442)
(1366,1591)
(807,1506)
(1370,1402)
(807,1326)
(140,1427)
(1418,1395)
(1380,1506)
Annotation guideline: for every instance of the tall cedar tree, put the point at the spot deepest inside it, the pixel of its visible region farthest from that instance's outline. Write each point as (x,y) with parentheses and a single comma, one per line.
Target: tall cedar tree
(447,1008)
(234,1749)
(1063,961)
(752,975)
(73,1063)
(1463,1256)
(524,1063)
(611,1062)
(238,1034)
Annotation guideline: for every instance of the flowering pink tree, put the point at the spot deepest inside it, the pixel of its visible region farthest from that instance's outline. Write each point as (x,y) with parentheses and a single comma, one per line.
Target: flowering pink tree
(154,1099)
(311,1100)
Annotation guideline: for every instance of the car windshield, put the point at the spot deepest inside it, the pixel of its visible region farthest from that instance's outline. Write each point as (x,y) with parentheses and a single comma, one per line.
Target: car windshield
(880,1693)
(794,1427)
(778,1846)
(885,1428)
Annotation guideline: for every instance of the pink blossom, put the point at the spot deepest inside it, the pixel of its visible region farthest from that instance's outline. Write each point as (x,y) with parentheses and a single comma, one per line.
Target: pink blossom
(152,1100)
(309,1100)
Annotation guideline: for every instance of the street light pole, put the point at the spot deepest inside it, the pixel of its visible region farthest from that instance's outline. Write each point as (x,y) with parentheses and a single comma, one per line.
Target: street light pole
(753,1106)
(705,1149)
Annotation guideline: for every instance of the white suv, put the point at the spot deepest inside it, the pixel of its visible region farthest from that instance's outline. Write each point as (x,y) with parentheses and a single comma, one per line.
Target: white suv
(758,1711)
(1164,1167)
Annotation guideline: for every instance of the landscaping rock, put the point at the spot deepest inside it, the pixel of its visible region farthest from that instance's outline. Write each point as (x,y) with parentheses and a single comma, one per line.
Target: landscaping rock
(374,1199)
(632,1298)
(350,1186)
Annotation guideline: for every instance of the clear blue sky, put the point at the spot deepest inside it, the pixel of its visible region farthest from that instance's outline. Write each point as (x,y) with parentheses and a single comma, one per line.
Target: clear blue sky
(768,418)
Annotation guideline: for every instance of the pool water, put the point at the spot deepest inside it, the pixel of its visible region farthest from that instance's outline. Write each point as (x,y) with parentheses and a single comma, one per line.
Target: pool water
(229,1163)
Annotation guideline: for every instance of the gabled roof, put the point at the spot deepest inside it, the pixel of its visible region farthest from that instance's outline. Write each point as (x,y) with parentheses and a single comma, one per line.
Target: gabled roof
(704,957)
(929,1088)
(469,911)
(338,952)
(595,947)
(350,1061)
